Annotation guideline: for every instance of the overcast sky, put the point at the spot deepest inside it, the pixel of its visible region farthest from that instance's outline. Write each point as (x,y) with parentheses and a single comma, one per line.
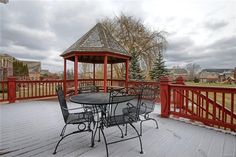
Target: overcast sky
(199,31)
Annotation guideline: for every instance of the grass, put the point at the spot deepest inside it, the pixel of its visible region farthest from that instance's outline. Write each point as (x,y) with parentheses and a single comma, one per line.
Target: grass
(212,84)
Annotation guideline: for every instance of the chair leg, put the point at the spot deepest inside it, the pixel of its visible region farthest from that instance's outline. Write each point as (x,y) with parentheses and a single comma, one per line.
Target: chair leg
(95,132)
(122,135)
(154,121)
(105,140)
(146,117)
(55,150)
(63,130)
(141,128)
(99,134)
(92,139)
(126,127)
(140,141)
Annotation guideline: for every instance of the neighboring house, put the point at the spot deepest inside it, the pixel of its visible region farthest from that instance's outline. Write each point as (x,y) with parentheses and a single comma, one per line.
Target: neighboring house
(34,68)
(215,75)
(6,66)
(176,72)
(46,75)
(44,72)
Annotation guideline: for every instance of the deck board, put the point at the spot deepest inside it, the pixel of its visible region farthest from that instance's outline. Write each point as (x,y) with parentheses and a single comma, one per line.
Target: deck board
(32,128)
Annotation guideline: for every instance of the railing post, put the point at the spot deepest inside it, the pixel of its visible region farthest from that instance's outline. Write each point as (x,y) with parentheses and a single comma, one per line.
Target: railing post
(165,97)
(180,94)
(11,89)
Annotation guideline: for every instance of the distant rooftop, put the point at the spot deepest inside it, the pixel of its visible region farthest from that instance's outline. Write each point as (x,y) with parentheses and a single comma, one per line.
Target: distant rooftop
(217,70)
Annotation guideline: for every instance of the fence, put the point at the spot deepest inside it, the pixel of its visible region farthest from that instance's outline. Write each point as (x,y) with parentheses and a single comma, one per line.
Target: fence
(12,89)
(213,106)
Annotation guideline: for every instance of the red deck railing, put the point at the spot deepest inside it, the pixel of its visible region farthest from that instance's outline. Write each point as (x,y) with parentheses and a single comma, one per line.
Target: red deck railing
(3,90)
(22,89)
(213,106)
(36,89)
(146,84)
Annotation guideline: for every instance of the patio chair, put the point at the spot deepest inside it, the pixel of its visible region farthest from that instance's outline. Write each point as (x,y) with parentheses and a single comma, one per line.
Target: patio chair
(83,120)
(115,117)
(145,105)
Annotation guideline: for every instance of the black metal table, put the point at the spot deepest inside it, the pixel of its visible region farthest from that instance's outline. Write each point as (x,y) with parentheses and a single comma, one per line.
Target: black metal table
(99,100)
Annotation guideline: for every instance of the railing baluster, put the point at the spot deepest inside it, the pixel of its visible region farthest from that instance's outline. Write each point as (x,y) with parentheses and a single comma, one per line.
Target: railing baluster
(3,90)
(174,99)
(207,105)
(192,102)
(232,108)
(223,108)
(186,101)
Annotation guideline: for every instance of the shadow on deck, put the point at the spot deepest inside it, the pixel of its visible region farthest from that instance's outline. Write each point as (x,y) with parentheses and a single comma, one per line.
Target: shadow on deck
(32,128)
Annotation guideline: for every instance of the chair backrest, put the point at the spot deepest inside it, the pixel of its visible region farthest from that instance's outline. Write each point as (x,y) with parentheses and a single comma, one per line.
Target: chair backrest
(62,102)
(117,109)
(148,96)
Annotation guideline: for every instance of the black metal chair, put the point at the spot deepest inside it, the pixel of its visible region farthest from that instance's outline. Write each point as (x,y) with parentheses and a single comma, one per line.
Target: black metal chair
(115,117)
(82,119)
(145,105)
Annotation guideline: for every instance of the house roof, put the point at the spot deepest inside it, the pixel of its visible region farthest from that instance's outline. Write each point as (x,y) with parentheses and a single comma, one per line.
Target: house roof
(98,39)
(4,55)
(217,70)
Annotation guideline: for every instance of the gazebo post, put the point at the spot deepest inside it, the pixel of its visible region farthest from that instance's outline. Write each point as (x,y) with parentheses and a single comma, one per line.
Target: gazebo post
(93,73)
(111,73)
(76,74)
(105,74)
(64,81)
(126,73)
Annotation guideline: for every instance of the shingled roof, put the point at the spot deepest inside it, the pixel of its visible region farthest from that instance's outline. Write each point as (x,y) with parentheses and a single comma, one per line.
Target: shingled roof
(98,39)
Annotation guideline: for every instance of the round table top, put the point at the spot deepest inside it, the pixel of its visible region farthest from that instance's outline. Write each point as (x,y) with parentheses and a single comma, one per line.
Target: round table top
(99,99)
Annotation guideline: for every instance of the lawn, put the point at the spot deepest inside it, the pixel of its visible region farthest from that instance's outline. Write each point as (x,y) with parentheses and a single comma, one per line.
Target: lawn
(212,84)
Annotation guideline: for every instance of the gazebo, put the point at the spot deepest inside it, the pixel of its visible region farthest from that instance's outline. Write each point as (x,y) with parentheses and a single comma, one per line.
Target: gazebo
(97,46)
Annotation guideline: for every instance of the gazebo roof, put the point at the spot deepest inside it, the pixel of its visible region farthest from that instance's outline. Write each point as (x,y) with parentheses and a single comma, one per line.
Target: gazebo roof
(97,40)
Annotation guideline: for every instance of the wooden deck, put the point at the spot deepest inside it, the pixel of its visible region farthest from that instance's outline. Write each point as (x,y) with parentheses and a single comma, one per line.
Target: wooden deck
(32,128)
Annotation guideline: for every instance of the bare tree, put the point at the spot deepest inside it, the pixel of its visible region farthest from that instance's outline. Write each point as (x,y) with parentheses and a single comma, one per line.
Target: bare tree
(193,69)
(131,33)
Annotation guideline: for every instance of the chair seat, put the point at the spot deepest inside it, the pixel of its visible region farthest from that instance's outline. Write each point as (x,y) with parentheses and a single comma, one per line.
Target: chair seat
(75,118)
(119,120)
(142,110)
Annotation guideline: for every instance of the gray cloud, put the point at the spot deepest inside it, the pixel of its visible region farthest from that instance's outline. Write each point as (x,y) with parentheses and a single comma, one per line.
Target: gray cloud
(219,54)
(180,43)
(224,43)
(42,30)
(213,25)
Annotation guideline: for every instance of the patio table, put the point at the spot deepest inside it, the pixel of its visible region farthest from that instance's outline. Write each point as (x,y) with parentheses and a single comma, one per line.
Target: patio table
(99,100)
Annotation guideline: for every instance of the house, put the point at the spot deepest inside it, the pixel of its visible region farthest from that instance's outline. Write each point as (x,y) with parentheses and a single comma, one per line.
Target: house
(34,68)
(176,72)
(6,66)
(215,75)
(46,75)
